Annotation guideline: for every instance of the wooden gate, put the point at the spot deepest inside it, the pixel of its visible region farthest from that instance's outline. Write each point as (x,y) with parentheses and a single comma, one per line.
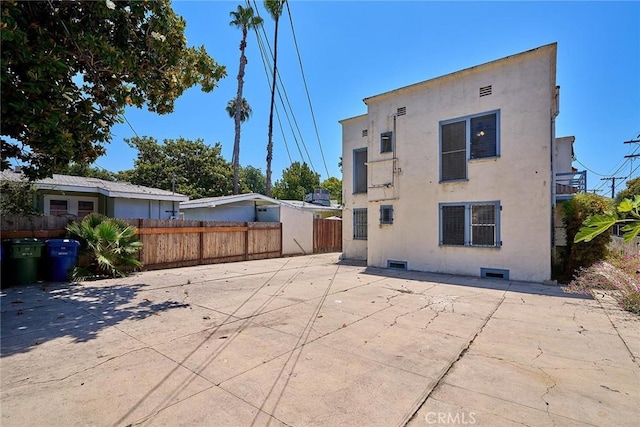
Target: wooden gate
(327,235)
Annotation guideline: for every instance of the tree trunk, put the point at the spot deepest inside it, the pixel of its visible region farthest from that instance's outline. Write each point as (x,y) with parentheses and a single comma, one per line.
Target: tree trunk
(237,114)
(273,93)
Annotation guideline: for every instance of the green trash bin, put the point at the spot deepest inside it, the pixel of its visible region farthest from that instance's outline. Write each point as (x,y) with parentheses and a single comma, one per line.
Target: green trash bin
(22,260)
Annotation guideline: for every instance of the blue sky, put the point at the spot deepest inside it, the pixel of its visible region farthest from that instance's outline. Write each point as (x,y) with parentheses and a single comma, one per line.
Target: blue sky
(355,49)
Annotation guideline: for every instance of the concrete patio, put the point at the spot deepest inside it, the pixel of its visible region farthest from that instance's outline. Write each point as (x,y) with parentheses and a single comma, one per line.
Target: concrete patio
(312,341)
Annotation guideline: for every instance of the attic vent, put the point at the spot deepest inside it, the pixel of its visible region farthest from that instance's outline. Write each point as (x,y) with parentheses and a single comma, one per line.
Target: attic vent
(494,273)
(401,111)
(397,265)
(486,90)
(365,132)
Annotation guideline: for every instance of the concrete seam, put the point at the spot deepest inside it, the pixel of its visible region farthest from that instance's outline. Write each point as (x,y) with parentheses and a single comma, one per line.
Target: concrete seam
(434,385)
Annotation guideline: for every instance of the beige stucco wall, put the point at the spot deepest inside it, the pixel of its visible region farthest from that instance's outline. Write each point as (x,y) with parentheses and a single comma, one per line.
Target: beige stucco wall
(563,154)
(297,231)
(523,89)
(352,139)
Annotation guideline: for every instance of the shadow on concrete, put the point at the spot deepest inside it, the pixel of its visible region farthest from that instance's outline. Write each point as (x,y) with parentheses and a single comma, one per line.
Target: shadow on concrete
(476,282)
(32,315)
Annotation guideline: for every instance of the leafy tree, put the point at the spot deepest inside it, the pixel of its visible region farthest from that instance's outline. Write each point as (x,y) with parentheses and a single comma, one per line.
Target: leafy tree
(334,185)
(17,198)
(69,69)
(244,19)
(274,7)
(196,169)
(252,180)
(297,181)
(111,245)
(632,190)
(83,169)
(596,225)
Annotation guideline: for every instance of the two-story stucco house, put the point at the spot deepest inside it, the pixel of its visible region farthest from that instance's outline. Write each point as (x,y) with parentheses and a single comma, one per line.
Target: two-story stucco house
(457,174)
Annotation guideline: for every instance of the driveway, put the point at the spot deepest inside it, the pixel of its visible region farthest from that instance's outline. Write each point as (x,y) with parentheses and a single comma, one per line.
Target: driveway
(312,341)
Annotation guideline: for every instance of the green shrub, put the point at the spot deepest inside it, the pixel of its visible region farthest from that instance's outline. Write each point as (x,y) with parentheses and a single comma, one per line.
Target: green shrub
(111,245)
(576,211)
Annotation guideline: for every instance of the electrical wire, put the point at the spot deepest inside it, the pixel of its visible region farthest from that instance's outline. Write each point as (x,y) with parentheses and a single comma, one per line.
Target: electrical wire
(306,88)
(281,89)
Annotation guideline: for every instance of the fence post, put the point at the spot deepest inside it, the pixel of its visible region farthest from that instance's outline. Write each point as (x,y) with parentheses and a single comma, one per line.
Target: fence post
(201,249)
(246,242)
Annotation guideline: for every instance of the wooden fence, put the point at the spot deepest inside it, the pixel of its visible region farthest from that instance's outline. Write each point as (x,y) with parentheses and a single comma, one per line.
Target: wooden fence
(327,235)
(171,243)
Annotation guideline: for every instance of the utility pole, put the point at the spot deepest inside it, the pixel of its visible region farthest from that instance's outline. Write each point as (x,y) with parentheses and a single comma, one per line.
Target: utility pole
(613,183)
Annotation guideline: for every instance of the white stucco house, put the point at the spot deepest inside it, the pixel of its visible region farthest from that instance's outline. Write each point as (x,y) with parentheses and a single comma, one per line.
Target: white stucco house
(296,217)
(460,174)
(76,196)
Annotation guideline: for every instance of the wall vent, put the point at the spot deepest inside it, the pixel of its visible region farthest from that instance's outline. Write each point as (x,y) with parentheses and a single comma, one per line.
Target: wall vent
(365,132)
(401,111)
(494,273)
(397,265)
(485,90)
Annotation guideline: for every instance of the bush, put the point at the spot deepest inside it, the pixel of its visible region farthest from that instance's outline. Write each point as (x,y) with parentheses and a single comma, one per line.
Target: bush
(576,211)
(620,273)
(110,244)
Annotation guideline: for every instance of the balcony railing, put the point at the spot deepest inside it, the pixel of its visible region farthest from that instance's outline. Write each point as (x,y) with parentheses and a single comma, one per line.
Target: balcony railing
(570,183)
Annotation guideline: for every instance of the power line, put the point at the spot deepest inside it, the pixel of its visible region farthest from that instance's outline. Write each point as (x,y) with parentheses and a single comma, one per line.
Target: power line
(585,166)
(284,91)
(613,183)
(304,80)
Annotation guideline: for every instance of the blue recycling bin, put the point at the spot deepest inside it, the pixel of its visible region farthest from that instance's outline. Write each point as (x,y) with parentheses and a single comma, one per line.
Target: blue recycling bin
(62,256)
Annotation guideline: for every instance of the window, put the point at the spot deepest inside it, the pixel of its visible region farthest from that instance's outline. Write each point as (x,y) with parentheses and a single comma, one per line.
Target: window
(470,224)
(360,170)
(476,135)
(58,207)
(84,208)
(360,224)
(386,214)
(386,142)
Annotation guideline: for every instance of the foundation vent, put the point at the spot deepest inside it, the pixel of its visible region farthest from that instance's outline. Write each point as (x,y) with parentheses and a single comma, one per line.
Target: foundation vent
(485,90)
(494,273)
(397,265)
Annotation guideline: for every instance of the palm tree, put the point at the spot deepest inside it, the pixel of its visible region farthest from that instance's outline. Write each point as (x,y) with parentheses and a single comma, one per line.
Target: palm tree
(244,19)
(245,109)
(274,7)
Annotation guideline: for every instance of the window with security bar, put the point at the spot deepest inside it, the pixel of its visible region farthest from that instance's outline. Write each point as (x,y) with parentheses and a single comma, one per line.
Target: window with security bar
(386,214)
(360,224)
(470,224)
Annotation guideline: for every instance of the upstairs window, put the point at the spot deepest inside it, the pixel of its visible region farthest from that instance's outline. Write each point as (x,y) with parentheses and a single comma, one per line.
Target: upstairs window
(360,170)
(472,137)
(386,142)
(386,214)
(454,151)
(484,136)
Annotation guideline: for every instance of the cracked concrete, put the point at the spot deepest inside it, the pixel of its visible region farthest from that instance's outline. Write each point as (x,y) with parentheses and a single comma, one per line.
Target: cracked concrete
(310,341)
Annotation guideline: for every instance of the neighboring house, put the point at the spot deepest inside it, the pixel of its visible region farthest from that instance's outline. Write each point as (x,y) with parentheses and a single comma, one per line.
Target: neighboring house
(296,217)
(460,174)
(76,196)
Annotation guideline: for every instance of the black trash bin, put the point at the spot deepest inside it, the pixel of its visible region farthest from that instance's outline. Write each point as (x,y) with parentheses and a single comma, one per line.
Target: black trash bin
(21,260)
(62,256)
